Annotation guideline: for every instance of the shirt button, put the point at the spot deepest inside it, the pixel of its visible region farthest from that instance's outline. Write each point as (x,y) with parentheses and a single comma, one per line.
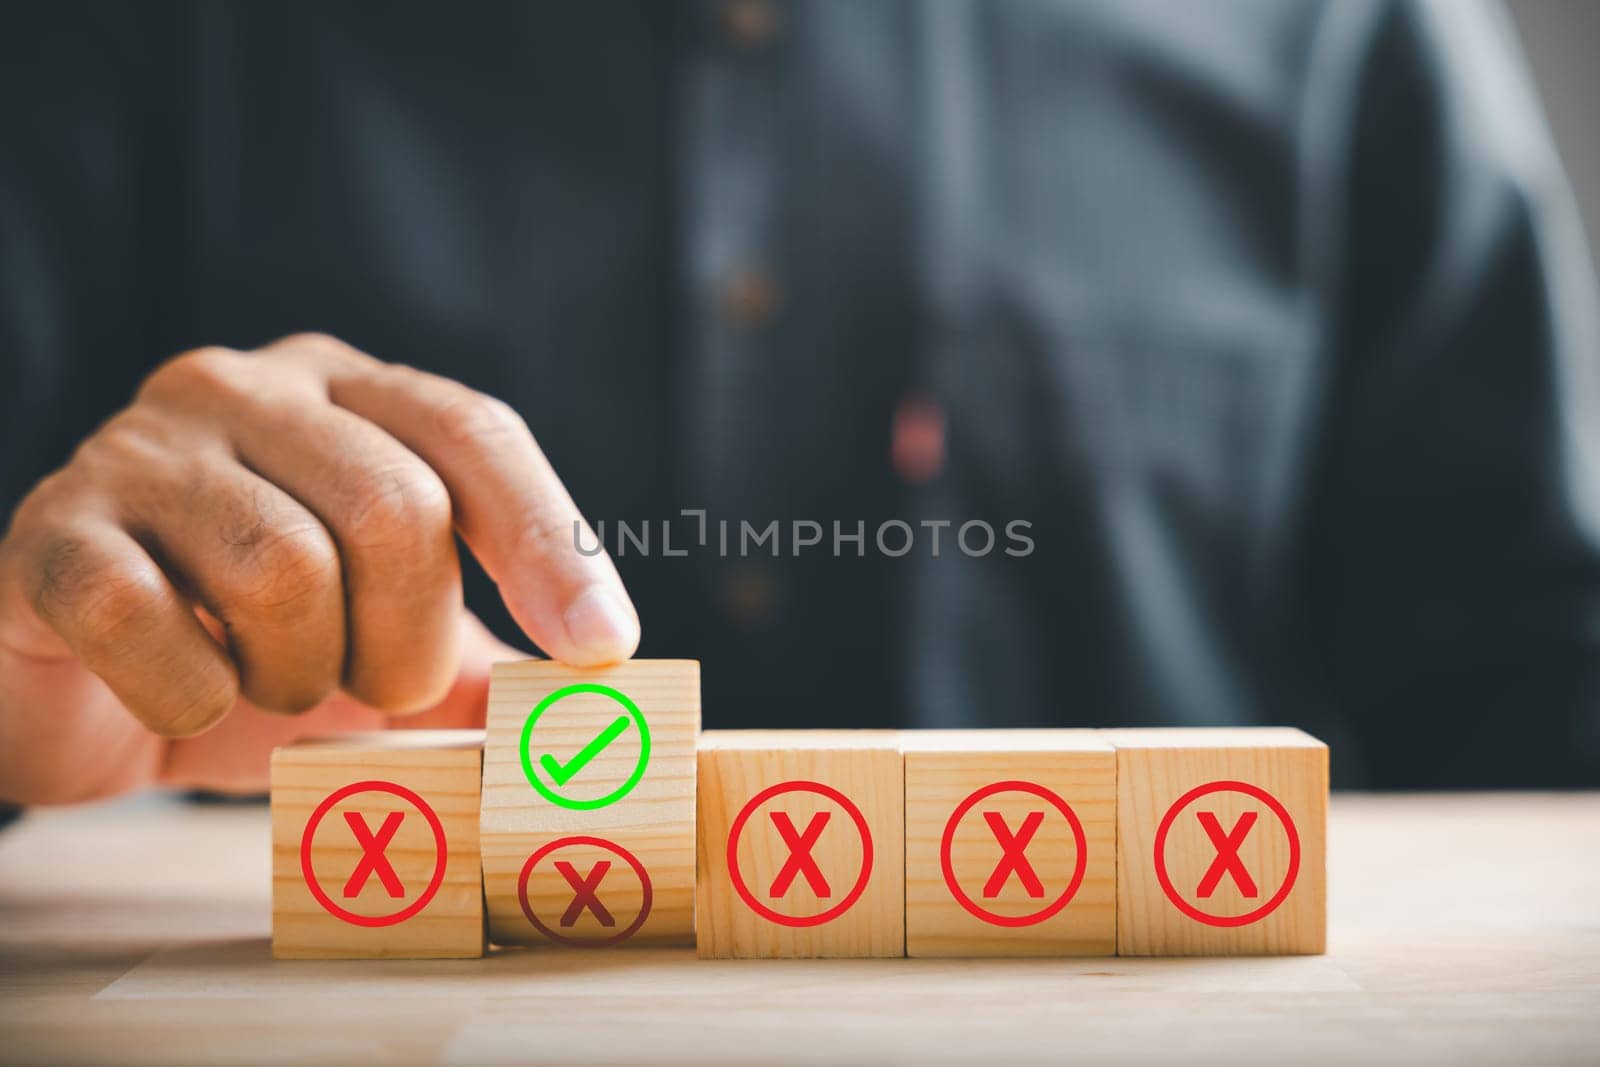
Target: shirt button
(750,24)
(751,297)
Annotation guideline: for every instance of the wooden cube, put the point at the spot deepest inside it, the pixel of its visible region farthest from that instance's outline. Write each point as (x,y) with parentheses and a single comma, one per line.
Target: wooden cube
(1220,842)
(588,803)
(1010,843)
(375,846)
(802,846)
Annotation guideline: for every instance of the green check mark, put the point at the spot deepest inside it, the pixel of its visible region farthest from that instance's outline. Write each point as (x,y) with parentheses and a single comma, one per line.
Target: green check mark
(561,773)
(556,775)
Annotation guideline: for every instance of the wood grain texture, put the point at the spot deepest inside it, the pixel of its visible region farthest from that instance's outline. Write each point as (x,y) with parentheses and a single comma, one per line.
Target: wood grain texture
(442,768)
(1156,768)
(866,767)
(654,822)
(136,932)
(945,767)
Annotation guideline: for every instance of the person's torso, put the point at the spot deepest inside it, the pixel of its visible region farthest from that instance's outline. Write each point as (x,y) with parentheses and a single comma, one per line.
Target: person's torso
(710,253)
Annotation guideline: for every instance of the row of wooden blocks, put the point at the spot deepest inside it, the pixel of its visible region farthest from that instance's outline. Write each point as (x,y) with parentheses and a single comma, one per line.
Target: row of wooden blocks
(594,812)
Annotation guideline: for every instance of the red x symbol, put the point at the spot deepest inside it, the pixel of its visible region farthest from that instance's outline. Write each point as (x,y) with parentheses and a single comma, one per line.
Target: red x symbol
(1012,858)
(800,861)
(583,892)
(1227,861)
(373,861)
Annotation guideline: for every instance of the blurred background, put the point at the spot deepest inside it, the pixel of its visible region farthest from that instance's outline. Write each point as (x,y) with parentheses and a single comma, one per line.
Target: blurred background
(1560,38)
(1261,335)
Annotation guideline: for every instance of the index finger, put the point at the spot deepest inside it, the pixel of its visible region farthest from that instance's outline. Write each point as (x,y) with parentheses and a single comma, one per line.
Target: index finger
(510,507)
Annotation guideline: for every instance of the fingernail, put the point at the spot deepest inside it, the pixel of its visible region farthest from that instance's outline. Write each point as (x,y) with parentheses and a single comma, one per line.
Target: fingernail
(601,627)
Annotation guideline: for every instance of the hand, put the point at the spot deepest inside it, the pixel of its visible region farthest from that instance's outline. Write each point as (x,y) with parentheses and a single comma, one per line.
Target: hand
(272,532)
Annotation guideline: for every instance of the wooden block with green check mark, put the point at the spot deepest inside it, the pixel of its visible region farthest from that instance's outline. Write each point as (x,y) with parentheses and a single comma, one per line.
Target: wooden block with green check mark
(588,821)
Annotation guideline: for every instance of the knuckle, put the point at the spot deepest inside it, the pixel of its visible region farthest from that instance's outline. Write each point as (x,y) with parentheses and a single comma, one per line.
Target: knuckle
(110,606)
(473,419)
(209,370)
(134,437)
(51,493)
(319,344)
(116,608)
(540,534)
(64,567)
(294,566)
(403,507)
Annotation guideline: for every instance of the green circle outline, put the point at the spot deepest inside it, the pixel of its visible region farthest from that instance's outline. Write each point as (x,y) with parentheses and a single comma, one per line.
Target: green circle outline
(616,794)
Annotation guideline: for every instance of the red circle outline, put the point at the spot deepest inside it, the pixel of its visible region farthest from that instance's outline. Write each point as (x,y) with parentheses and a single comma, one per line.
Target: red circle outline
(599,842)
(737,878)
(441,852)
(1032,918)
(1227,786)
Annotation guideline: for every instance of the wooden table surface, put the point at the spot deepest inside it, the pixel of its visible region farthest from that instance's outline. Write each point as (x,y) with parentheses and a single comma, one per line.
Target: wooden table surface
(1464,929)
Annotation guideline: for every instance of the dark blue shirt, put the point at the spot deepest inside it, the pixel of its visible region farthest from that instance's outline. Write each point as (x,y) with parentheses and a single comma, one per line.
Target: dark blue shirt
(1273,319)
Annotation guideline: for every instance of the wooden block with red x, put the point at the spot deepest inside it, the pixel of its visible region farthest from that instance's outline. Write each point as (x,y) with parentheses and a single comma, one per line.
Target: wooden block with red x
(1221,841)
(801,844)
(375,846)
(1010,843)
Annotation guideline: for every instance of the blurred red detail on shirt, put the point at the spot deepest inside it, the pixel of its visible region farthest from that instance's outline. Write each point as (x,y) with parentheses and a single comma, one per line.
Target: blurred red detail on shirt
(751,24)
(917,443)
